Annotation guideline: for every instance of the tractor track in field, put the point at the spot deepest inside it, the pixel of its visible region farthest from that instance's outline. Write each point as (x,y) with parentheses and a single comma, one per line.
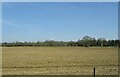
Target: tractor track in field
(62,66)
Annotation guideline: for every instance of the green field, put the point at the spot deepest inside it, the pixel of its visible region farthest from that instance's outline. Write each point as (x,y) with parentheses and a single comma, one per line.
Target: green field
(59,61)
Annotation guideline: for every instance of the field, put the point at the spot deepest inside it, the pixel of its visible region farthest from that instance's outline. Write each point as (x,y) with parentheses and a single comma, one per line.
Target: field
(59,61)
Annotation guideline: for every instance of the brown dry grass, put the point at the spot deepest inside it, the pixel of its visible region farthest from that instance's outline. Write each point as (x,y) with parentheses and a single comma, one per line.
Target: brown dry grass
(59,61)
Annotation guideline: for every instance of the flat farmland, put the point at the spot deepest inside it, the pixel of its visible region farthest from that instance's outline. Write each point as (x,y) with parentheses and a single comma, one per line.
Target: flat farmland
(59,60)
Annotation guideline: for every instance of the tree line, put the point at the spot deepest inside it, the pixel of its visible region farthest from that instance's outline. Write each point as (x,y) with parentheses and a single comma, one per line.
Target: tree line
(86,41)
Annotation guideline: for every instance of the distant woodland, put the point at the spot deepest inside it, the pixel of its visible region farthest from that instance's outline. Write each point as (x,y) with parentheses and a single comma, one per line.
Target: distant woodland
(86,41)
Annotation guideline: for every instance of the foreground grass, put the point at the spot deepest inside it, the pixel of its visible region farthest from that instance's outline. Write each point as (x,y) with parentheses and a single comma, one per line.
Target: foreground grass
(59,61)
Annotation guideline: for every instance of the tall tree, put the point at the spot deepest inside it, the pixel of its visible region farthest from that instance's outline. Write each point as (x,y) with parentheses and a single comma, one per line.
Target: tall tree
(87,41)
(101,41)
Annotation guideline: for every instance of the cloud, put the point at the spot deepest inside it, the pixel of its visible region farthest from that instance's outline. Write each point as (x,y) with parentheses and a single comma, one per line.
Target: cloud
(0,22)
(7,23)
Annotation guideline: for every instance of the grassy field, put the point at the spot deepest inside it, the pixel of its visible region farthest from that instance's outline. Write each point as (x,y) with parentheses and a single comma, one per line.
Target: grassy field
(59,61)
